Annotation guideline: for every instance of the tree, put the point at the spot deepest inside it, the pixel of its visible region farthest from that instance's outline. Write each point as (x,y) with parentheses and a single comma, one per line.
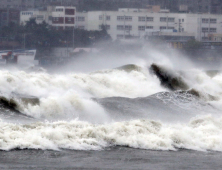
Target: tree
(193,44)
(43,36)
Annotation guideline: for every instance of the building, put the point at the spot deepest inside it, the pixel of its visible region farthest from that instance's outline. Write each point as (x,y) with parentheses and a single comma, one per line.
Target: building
(215,37)
(8,15)
(63,17)
(59,17)
(128,23)
(39,16)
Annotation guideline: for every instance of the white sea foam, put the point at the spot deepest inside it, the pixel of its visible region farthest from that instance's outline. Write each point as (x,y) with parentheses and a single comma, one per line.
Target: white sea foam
(69,95)
(201,133)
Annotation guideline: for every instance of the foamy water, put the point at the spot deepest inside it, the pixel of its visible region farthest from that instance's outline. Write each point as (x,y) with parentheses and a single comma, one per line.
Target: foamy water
(67,95)
(201,133)
(68,117)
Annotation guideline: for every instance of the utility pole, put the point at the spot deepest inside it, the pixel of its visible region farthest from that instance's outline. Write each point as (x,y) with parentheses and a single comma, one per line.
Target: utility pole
(24,40)
(180,25)
(167,21)
(124,27)
(73,36)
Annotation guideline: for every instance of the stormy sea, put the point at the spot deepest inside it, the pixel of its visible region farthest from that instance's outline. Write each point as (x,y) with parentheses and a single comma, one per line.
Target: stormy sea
(150,111)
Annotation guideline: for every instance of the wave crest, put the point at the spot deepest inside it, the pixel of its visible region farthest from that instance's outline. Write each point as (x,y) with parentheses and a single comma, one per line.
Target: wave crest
(201,133)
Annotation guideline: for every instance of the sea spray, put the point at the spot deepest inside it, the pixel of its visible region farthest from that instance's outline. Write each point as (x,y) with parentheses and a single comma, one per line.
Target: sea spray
(200,133)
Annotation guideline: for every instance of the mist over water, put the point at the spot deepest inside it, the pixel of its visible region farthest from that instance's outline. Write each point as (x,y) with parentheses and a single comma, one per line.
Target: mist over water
(110,99)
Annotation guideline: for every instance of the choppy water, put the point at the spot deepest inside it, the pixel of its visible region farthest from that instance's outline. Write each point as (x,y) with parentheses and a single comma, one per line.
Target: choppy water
(108,108)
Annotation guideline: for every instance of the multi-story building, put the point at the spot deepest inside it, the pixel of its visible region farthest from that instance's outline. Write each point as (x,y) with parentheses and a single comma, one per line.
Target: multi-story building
(63,17)
(39,16)
(7,16)
(136,23)
(131,23)
(59,17)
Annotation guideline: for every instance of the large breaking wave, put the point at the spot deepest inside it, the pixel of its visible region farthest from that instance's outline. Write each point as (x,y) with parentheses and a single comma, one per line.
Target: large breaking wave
(203,133)
(161,109)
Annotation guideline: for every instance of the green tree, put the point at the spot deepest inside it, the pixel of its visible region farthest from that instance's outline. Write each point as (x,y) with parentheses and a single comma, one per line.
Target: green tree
(192,44)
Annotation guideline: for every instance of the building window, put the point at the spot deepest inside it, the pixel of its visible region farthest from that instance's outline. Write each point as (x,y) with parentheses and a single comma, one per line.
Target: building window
(149,27)
(69,11)
(163,19)
(141,18)
(170,28)
(162,27)
(182,20)
(128,18)
(108,18)
(27,13)
(205,20)
(149,19)
(55,19)
(213,21)
(120,18)
(204,29)
(69,20)
(81,18)
(128,27)
(213,30)
(40,17)
(59,9)
(141,28)
(120,27)
(100,17)
(172,20)
(106,26)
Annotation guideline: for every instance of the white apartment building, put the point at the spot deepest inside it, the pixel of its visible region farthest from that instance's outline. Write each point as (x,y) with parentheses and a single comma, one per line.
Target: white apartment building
(137,23)
(134,23)
(81,20)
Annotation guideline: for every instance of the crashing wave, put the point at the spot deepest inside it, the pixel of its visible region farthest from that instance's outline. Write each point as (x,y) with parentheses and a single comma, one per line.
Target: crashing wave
(14,100)
(201,133)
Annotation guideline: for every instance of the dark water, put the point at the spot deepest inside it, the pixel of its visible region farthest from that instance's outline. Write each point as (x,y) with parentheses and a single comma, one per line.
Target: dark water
(112,158)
